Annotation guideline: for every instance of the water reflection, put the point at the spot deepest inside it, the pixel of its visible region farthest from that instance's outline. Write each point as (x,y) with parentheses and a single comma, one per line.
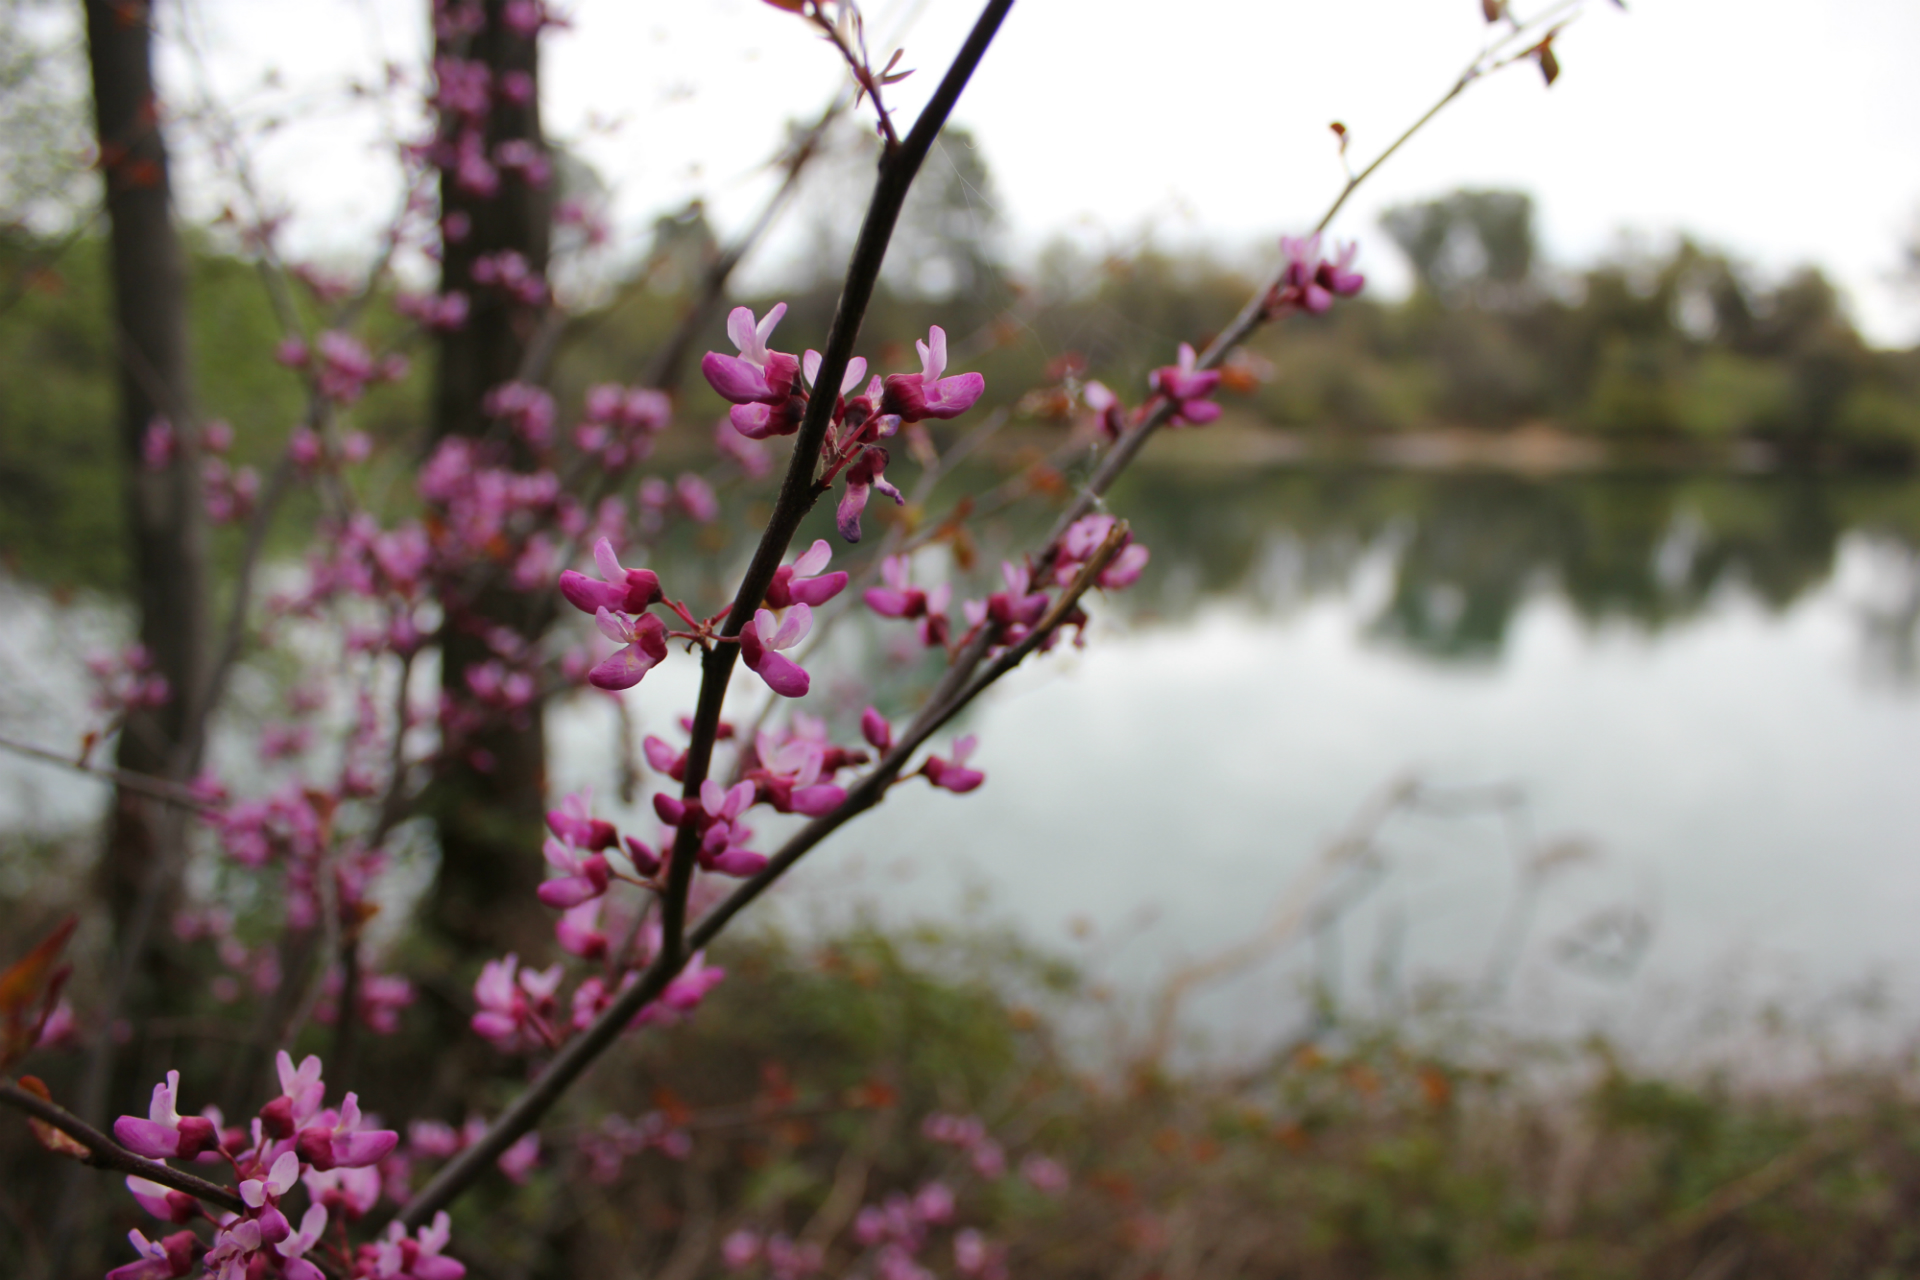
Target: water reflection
(1469,550)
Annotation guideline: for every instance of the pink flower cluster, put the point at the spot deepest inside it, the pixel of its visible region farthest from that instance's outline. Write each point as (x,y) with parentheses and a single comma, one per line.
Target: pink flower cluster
(294,1137)
(771,390)
(898,1230)
(1309,282)
(620,423)
(126,681)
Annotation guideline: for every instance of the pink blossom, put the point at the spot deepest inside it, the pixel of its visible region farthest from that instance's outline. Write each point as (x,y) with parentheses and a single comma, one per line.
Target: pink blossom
(518,1160)
(337,1140)
(158,447)
(644,645)
(584,876)
(166,1134)
(1188,387)
(624,591)
(740,1250)
(353,1192)
(875,729)
(952,774)
(345,367)
(574,822)
(418,1258)
(761,383)
(865,474)
(810,361)
(512,1013)
(765,634)
(934,1203)
(301,1093)
(1309,282)
(802,582)
(162,1260)
(684,994)
(1044,1175)
(579,931)
(914,396)
(696,498)
(312,1225)
(789,775)
(1083,538)
(163,1202)
(901,599)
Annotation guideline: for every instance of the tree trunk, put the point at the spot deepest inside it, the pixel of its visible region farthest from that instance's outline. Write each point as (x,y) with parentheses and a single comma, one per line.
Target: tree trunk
(165,529)
(492,794)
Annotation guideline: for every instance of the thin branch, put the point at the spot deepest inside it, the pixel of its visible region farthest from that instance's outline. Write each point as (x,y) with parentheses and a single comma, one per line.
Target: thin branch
(108,1154)
(798,493)
(147,785)
(800,490)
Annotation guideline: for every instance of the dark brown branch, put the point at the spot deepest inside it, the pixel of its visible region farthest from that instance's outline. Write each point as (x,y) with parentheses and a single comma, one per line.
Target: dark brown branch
(798,493)
(800,490)
(105,1153)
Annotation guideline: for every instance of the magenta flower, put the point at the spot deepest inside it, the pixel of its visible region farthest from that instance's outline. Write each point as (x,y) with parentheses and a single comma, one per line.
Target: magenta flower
(1309,282)
(163,1202)
(518,1160)
(624,591)
(952,774)
(1012,611)
(802,582)
(1112,415)
(761,383)
(684,994)
(788,776)
(584,876)
(1083,538)
(511,1011)
(166,1134)
(1188,388)
(574,822)
(760,639)
(901,599)
(312,1225)
(875,729)
(353,1192)
(1047,1176)
(1335,275)
(740,1250)
(915,396)
(419,1257)
(159,1260)
(336,1140)
(723,842)
(301,1092)
(696,498)
(810,362)
(865,475)
(643,642)
(579,931)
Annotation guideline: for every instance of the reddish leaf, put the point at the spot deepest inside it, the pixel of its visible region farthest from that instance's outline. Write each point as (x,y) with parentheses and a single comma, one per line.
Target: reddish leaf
(45,1134)
(1492,9)
(28,991)
(1549,65)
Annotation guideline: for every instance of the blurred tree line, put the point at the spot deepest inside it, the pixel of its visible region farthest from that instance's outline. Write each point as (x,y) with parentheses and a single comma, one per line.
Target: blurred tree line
(1683,354)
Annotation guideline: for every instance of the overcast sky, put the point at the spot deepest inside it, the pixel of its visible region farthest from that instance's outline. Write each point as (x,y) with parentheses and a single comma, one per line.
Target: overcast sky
(1781,131)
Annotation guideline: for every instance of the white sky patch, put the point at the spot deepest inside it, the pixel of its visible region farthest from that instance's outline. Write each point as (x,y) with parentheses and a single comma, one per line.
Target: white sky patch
(1778,131)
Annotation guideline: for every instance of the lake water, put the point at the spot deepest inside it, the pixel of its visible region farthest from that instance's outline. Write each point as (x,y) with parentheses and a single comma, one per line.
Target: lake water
(1665,737)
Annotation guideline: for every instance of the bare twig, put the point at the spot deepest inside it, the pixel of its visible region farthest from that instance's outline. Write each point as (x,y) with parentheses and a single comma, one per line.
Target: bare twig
(105,1153)
(153,788)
